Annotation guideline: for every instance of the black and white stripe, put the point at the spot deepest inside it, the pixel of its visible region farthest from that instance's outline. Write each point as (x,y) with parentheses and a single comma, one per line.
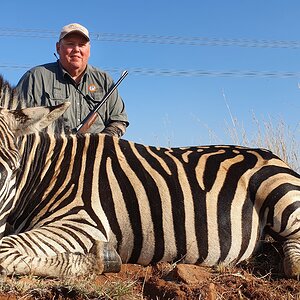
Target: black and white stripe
(196,205)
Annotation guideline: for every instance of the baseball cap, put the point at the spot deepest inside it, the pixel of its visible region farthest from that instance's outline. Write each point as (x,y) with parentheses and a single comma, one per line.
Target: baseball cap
(74,27)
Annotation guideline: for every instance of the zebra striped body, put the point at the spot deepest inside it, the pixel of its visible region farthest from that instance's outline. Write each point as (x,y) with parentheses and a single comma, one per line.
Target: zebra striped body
(80,201)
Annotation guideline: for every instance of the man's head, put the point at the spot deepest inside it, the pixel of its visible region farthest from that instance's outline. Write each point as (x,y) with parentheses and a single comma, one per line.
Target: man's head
(73,48)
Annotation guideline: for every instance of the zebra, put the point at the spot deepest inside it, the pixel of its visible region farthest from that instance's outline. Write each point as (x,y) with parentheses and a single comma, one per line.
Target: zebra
(79,204)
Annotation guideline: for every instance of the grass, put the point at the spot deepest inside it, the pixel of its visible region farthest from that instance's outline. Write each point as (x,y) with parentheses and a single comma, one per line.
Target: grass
(278,138)
(30,287)
(269,133)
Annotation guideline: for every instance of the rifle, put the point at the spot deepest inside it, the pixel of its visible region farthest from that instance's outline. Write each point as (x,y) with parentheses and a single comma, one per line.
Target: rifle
(92,116)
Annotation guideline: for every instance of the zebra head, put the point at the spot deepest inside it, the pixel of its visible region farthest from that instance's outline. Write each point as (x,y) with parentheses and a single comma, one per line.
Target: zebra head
(13,124)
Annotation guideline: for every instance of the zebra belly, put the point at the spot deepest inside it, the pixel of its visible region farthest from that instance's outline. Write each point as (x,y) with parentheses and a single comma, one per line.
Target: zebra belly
(207,245)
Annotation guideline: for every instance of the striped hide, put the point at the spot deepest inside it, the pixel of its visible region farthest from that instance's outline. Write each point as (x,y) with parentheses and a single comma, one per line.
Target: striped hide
(80,204)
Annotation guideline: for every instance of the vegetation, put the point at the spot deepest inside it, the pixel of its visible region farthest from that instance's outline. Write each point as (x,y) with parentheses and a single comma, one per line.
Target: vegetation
(271,134)
(278,138)
(90,287)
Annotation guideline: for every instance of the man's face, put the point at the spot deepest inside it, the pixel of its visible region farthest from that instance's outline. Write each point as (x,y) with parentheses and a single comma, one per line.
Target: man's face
(74,52)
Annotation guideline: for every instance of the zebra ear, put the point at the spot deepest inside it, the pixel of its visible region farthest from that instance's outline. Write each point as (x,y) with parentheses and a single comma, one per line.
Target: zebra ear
(34,119)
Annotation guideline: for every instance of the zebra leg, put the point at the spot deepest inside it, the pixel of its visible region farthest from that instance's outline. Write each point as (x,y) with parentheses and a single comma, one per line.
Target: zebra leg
(291,262)
(101,258)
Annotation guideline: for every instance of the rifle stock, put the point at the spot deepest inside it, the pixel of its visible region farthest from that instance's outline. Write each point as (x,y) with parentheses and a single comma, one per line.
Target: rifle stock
(89,122)
(90,119)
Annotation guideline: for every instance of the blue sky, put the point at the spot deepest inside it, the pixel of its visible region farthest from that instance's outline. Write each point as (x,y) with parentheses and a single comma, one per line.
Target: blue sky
(174,110)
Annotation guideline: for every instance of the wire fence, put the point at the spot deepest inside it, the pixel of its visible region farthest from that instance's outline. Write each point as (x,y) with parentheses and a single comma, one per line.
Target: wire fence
(167,40)
(157,39)
(181,73)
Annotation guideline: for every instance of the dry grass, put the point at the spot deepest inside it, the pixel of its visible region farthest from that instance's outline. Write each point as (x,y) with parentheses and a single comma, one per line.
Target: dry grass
(30,287)
(269,133)
(277,137)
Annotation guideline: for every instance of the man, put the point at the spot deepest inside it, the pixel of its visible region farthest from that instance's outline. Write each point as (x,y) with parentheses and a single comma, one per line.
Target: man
(72,79)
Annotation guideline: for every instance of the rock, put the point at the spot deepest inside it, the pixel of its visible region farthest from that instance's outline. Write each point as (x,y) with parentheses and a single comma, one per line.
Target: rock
(191,274)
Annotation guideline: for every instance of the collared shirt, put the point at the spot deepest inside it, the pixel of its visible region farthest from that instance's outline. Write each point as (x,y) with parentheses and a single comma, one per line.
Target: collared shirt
(50,84)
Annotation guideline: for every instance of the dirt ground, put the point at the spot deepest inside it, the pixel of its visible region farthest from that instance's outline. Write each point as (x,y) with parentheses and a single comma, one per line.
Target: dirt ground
(259,278)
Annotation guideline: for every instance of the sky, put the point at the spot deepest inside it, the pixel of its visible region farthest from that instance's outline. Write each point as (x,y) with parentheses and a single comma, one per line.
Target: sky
(196,68)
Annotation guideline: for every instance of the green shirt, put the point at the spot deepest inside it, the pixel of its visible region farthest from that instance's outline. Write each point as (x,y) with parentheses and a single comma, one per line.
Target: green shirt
(50,84)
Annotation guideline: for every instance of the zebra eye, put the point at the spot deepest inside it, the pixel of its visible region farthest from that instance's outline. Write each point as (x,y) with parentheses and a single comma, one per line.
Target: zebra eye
(14,166)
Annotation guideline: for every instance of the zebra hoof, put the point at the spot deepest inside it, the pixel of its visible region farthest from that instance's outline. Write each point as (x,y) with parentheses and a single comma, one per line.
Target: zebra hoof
(291,262)
(108,260)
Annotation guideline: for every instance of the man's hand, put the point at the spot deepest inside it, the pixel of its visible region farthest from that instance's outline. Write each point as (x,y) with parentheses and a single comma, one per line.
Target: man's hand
(116,128)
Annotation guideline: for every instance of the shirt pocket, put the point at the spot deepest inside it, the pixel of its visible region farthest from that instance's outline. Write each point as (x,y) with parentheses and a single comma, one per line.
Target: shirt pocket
(56,96)
(97,96)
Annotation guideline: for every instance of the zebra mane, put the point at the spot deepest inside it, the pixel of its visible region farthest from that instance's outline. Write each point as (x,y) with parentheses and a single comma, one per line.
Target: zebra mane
(8,95)
(9,99)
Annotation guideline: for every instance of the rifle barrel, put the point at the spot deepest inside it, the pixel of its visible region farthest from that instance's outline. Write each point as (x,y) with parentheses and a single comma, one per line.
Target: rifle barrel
(91,116)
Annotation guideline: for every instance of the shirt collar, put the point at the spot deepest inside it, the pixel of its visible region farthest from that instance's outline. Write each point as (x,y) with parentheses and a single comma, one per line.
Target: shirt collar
(66,75)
